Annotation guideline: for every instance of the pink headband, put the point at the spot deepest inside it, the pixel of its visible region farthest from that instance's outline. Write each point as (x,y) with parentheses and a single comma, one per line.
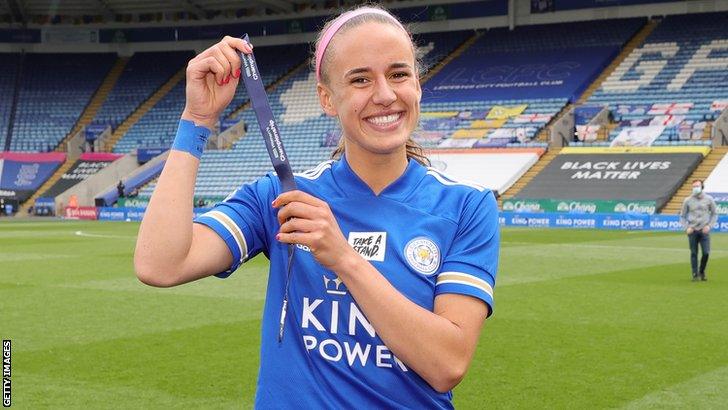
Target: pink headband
(336,25)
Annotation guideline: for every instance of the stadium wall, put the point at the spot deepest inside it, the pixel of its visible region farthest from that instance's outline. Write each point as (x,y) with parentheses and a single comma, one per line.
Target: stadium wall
(629,222)
(523,15)
(133,180)
(622,180)
(87,190)
(528,220)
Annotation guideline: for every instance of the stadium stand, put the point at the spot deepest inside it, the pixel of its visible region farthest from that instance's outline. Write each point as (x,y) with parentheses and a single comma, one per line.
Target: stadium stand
(509,75)
(85,166)
(614,32)
(53,92)
(717,181)
(157,127)
(273,62)
(24,173)
(716,184)
(9,70)
(143,74)
(712,170)
(446,122)
(589,180)
(527,176)
(485,124)
(309,134)
(499,89)
(674,84)
(433,48)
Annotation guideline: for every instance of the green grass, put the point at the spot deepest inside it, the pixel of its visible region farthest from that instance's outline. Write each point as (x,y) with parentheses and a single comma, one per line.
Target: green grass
(584,319)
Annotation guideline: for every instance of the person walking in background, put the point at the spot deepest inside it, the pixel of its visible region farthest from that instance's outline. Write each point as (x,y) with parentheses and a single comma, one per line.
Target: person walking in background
(120,188)
(698,215)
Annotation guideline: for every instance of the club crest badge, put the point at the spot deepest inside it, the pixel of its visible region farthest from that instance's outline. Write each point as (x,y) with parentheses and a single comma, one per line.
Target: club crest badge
(423,255)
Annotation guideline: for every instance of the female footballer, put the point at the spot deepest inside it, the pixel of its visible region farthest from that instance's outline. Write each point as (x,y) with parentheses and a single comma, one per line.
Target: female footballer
(395,263)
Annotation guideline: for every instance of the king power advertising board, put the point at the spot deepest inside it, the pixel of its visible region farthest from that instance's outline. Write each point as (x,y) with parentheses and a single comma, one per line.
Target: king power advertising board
(627,222)
(605,183)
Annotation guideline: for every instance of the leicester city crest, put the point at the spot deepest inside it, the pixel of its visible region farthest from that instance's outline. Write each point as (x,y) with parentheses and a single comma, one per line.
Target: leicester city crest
(423,255)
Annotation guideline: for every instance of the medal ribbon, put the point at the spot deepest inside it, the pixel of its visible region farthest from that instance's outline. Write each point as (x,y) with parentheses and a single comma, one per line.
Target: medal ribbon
(274,145)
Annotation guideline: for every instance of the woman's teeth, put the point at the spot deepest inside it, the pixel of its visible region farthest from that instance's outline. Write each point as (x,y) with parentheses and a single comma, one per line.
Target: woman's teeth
(384,119)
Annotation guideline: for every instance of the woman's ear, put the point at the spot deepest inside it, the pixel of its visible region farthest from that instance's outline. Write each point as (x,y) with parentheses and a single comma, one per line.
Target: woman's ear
(326,99)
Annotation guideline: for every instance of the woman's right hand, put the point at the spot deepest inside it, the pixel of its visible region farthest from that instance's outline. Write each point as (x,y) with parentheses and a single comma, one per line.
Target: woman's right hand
(212,78)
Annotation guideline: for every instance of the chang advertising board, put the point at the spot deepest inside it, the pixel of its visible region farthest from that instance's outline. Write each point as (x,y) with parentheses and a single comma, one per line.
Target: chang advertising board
(606,183)
(722,208)
(579,206)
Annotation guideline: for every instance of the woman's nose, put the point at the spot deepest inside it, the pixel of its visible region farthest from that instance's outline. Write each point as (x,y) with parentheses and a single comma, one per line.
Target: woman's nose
(383,93)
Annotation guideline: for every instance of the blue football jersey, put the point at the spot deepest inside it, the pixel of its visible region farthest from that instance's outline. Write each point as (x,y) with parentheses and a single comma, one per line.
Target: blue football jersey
(425,233)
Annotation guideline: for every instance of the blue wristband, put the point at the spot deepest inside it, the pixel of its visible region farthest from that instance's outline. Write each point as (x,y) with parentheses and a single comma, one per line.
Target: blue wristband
(191,138)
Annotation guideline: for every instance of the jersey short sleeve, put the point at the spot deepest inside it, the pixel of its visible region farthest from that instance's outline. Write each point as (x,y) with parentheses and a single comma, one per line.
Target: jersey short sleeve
(241,220)
(471,263)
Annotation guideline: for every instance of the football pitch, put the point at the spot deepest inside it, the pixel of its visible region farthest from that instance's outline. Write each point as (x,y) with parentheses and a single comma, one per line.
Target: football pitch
(584,319)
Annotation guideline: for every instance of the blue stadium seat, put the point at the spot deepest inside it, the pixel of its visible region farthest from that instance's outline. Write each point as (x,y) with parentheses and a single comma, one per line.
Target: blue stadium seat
(54,90)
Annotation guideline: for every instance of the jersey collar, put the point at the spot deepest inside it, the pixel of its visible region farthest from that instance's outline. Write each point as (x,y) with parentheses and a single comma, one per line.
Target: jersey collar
(351,185)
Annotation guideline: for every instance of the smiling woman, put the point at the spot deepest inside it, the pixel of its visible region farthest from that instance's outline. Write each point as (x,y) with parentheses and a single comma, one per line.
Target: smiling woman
(346,68)
(395,265)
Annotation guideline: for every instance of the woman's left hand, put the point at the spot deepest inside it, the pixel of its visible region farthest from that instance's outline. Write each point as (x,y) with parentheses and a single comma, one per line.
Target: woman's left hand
(307,220)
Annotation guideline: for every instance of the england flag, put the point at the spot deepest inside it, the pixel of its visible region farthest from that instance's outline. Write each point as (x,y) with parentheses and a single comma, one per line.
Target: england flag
(670,108)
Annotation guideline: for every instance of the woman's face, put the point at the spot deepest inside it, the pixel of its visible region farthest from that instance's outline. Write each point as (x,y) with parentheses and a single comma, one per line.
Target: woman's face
(372,87)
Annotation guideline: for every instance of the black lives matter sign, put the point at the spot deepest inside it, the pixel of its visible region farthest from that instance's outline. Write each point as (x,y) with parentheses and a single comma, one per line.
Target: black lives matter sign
(78,172)
(639,176)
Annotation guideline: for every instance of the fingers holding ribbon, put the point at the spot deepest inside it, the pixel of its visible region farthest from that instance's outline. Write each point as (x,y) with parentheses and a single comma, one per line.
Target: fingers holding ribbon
(307,220)
(209,74)
(225,52)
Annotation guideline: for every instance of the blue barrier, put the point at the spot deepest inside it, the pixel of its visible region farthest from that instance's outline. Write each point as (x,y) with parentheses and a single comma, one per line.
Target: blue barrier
(133,214)
(45,201)
(130,184)
(146,154)
(638,222)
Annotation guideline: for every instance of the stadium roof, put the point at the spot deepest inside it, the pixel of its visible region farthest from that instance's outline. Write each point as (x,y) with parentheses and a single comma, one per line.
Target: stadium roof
(22,9)
(74,7)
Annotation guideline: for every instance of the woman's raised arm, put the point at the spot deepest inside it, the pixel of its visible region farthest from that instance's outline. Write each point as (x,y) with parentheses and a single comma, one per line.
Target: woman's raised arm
(170,249)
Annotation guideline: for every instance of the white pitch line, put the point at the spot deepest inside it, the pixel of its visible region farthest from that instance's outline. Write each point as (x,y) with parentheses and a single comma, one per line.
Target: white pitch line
(96,235)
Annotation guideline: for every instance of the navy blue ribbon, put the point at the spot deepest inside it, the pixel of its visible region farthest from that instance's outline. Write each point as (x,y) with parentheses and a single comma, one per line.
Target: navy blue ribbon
(266,121)
(274,145)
